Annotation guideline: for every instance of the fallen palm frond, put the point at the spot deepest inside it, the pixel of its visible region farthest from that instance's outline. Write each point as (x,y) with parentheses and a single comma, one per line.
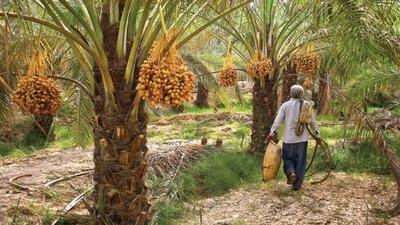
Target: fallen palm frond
(53,182)
(164,163)
(75,202)
(224,116)
(386,120)
(367,127)
(19,186)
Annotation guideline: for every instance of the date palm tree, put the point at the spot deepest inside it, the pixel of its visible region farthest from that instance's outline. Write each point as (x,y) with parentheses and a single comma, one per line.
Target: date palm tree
(20,52)
(276,30)
(111,39)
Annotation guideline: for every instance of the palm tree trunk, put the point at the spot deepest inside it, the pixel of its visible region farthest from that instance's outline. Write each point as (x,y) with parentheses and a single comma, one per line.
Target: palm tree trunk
(324,94)
(264,109)
(42,125)
(202,96)
(289,79)
(120,165)
(239,94)
(120,194)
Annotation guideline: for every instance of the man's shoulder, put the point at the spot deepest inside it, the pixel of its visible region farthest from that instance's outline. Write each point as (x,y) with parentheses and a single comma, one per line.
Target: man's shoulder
(289,102)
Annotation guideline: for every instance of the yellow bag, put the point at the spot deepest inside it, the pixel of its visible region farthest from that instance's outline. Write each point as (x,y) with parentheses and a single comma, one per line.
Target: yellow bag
(272,161)
(306,112)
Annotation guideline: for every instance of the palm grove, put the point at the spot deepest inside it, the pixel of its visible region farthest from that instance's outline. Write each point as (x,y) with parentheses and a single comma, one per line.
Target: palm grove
(127,52)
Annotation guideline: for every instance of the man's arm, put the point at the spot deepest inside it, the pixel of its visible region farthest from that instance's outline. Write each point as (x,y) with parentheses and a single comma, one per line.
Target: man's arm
(278,120)
(314,127)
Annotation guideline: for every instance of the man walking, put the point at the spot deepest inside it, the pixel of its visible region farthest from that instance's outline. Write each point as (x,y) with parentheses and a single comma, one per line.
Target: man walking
(295,137)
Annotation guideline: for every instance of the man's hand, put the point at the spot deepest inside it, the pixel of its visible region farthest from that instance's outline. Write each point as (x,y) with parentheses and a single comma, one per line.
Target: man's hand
(319,141)
(269,139)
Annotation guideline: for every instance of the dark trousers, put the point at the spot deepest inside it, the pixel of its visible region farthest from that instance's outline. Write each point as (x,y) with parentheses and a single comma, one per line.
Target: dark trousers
(295,160)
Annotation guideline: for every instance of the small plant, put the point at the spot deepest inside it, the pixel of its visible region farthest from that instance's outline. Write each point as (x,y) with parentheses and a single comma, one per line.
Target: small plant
(169,212)
(220,172)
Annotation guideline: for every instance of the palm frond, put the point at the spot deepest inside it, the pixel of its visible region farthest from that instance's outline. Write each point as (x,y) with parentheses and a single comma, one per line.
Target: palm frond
(203,74)
(80,102)
(5,105)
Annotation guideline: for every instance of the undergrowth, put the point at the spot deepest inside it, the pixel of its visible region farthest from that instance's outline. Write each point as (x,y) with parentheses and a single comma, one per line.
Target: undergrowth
(396,110)
(170,212)
(32,142)
(219,173)
(214,175)
(228,168)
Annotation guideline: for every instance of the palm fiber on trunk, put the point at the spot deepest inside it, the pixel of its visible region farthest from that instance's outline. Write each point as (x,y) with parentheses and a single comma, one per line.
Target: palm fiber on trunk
(264,109)
(289,79)
(120,195)
(202,95)
(324,95)
(42,126)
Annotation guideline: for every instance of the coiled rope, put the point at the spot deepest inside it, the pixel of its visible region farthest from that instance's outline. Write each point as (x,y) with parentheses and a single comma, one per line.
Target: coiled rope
(303,122)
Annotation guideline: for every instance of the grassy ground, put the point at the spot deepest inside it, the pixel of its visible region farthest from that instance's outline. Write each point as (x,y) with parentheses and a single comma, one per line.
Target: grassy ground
(230,168)
(220,172)
(31,143)
(397,110)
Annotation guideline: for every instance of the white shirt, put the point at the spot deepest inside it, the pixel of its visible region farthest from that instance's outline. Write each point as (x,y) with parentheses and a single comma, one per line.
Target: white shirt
(289,113)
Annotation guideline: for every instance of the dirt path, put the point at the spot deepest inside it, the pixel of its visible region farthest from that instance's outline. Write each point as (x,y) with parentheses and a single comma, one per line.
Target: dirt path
(343,199)
(43,167)
(49,165)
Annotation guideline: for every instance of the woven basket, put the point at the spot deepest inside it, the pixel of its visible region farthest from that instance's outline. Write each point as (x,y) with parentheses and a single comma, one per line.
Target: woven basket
(272,161)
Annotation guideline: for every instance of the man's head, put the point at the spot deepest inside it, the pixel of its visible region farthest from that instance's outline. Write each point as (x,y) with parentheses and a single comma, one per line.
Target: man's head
(296,91)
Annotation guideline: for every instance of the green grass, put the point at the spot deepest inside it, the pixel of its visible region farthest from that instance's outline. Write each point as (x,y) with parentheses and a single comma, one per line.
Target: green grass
(26,146)
(371,109)
(213,175)
(192,131)
(32,142)
(334,132)
(197,130)
(64,137)
(197,110)
(219,173)
(362,158)
(396,110)
(169,212)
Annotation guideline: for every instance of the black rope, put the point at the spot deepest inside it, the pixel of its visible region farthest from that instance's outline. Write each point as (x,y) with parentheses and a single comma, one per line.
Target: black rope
(325,148)
(321,143)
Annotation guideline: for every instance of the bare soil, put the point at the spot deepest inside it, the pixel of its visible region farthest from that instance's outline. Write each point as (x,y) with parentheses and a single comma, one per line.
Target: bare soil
(43,167)
(47,166)
(342,199)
